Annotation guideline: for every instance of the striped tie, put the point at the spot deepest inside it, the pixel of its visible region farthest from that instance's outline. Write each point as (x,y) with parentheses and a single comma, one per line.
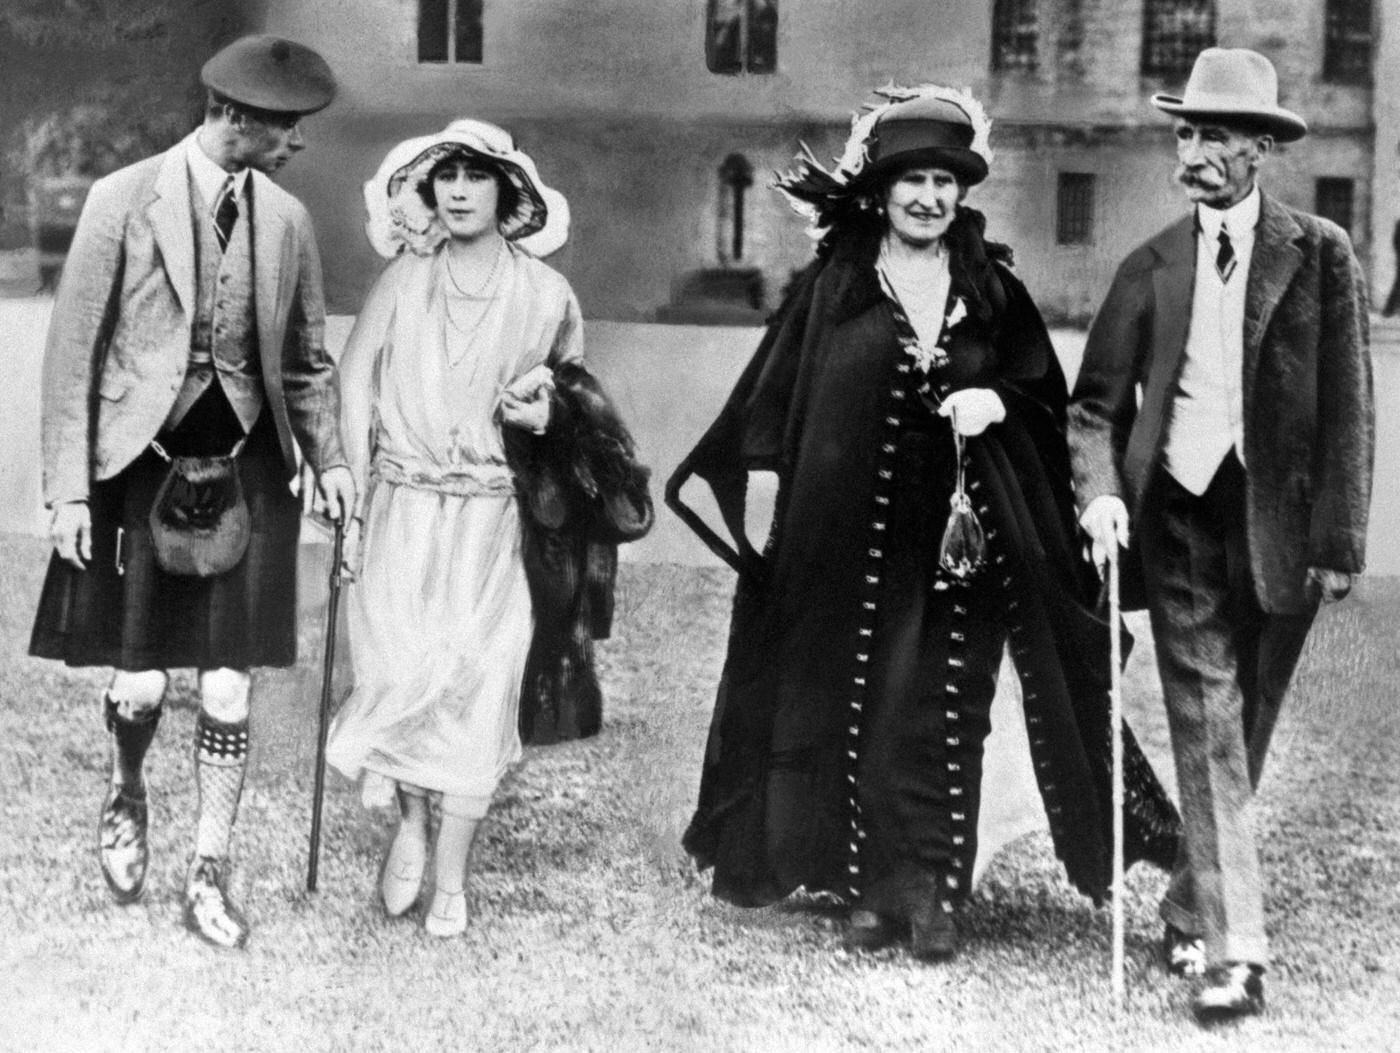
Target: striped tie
(225,215)
(1225,258)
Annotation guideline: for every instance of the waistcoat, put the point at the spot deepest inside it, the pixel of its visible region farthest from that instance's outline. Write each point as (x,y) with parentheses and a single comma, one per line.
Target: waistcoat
(223,337)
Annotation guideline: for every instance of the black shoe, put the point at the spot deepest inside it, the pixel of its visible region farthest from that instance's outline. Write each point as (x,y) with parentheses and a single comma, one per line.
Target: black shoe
(933,934)
(1183,955)
(868,931)
(122,849)
(1232,990)
(209,913)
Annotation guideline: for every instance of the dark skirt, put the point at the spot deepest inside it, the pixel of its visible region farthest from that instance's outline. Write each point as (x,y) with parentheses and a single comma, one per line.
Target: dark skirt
(936,652)
(878,802)
(124,611)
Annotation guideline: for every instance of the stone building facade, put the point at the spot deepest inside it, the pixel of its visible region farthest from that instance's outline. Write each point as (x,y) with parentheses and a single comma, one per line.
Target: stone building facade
(663,121)
(619,107)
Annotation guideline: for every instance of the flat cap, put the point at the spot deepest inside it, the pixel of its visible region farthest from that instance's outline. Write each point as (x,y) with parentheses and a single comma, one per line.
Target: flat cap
(269,73)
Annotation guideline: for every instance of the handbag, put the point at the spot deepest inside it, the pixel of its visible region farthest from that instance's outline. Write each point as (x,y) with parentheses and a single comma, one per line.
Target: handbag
(963,550)
(200,524)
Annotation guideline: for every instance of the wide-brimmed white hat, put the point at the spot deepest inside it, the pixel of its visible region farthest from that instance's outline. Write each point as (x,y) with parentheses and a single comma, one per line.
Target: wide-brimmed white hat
(1235,82)
(398,218)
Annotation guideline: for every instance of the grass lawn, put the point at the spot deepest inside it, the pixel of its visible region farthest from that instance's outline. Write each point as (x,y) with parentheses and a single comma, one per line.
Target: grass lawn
(590,930)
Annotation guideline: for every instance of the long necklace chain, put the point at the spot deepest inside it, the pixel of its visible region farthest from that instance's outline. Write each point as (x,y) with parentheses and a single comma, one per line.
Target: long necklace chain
(486,283)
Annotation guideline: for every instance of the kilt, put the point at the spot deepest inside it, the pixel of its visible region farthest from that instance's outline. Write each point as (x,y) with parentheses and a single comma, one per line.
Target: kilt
(125,611)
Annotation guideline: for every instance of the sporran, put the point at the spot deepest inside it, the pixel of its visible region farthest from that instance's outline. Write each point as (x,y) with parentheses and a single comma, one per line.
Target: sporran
(200,524)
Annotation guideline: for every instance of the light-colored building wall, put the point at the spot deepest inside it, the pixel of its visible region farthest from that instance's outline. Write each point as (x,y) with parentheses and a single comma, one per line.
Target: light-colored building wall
(614,102)
(1386,155)
(638,58)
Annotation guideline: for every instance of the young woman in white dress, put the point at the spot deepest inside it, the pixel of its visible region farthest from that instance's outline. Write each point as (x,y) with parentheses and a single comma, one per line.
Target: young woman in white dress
(455,343)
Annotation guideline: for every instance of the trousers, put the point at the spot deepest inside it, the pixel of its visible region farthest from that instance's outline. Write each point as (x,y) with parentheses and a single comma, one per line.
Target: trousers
(1225,665)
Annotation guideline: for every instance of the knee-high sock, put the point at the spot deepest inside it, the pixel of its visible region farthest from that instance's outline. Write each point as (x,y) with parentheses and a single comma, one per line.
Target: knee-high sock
(131,738)
(221,759)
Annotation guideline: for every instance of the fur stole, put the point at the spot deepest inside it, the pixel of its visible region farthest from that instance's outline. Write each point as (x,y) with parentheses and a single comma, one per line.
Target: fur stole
(583,492)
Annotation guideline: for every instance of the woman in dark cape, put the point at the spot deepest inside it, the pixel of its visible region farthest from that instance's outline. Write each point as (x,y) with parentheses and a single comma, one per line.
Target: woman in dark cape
(846,747)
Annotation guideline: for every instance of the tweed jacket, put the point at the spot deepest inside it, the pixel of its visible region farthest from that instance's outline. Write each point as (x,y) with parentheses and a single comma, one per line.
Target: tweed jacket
(1309,419)
(119,340)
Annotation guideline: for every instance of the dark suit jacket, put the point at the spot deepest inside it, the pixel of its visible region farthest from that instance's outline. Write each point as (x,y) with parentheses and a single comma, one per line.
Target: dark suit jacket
(1309,425)
(119,337)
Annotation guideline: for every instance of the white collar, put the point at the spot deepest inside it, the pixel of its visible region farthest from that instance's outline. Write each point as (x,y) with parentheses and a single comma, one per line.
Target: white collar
(208,175)
(1239,219)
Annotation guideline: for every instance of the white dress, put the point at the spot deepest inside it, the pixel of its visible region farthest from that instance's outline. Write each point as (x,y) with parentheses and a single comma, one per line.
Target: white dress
(440,618)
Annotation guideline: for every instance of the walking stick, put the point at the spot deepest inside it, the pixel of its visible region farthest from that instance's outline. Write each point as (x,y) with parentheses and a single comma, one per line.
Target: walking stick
(324,716)
(1115,716)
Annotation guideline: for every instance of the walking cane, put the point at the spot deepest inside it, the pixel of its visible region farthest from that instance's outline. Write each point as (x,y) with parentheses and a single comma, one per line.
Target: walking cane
(1115,716)
(324,716)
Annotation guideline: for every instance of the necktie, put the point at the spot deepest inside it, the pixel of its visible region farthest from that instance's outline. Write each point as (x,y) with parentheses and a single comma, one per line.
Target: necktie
(1225,258)
(226,214)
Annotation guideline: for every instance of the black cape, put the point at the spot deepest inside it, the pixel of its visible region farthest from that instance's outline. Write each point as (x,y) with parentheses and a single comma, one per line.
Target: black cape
(809,407)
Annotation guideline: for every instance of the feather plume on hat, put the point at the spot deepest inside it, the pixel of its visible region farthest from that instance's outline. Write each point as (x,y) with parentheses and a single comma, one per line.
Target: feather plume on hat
(826,196)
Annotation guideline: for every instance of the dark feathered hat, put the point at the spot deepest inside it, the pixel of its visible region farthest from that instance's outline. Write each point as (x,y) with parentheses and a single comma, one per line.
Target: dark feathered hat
(928,124)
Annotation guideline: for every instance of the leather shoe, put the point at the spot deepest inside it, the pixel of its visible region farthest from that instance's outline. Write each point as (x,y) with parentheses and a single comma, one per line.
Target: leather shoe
(1184,955)
(933,935)
(448,914)
(209,913)
(1231,990)
(122,848)
(401,875)
(868,931)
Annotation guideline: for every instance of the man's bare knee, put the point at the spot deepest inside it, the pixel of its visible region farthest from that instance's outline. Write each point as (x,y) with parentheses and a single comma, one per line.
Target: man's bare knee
(137,693)
(223,694)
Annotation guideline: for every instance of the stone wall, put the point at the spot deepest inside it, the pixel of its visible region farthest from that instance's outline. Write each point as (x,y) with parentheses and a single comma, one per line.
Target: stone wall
(616,106)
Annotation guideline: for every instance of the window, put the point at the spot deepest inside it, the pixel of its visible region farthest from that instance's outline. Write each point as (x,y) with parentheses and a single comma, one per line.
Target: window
(449,30)
(735,178)
(1334,200)
(1174,32)
(1346,57)
(1015,35)
(741,36)
(1074,209)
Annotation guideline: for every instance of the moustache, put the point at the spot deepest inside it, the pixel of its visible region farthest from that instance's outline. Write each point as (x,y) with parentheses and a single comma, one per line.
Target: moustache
(1206,180)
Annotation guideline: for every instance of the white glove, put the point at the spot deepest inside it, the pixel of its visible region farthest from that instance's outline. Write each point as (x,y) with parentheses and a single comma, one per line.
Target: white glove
(972,409)
(1105,520)
(525,401)
(524,387)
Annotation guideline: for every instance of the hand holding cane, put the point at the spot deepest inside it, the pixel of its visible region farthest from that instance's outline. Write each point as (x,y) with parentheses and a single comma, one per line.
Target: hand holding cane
(324,714)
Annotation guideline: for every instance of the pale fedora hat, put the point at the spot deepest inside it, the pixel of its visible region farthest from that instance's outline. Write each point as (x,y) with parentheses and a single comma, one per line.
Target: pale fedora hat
(1235,82)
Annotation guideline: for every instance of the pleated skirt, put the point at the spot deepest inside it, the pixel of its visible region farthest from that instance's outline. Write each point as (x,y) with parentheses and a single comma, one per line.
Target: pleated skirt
(125,611)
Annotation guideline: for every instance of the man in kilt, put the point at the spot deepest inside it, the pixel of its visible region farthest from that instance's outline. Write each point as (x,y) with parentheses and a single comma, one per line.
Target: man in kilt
(189,324)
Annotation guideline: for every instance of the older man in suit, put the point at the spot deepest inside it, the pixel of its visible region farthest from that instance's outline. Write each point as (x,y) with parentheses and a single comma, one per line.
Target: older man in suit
(1224,410)
(188,324)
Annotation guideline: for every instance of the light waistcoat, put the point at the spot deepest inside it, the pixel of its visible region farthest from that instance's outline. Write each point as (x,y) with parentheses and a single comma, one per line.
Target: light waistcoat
(223,334)
(1207,417)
